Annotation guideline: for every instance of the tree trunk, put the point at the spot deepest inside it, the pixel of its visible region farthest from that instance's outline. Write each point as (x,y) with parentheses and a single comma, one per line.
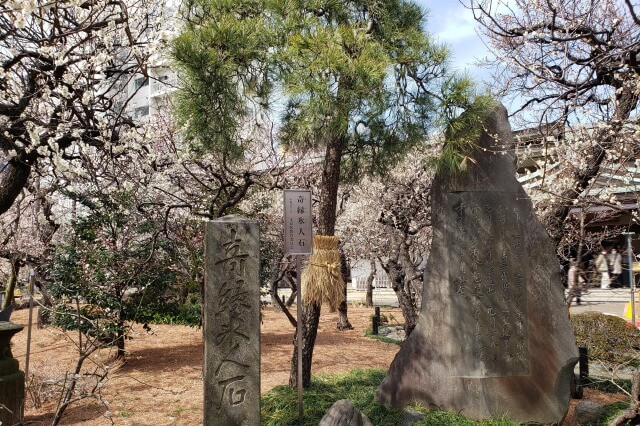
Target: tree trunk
(120,336)
(45,306)
(294,292)
(67,394)
(370,278)
(292,299)
(329,187)
(397,275)
(326,226)
(13,177)
(310,320)
(275,298)
(11,284)
(412,277)
(343,318)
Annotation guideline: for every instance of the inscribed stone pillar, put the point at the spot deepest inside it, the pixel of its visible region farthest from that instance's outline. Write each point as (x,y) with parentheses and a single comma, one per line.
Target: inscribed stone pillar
(11,378)
(232,323)
(494,337)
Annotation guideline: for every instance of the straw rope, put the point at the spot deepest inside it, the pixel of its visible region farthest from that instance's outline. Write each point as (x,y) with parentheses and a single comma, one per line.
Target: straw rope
(322,279)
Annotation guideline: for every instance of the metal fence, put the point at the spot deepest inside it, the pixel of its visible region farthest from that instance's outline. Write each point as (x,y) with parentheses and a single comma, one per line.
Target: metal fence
(378,282)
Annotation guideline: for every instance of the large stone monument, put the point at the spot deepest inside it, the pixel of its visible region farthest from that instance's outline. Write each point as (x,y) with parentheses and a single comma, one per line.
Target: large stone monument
(494,336)
(11,378)
(232,323)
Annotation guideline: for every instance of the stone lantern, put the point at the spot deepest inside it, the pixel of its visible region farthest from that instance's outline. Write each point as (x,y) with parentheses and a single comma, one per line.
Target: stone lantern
(11,378)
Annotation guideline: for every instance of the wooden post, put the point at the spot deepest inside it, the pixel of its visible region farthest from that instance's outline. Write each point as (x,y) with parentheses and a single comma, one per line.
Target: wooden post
(298,240)
(375,325)
(631,277)
(376,321)
(583,354)
(32,281)
(299,337)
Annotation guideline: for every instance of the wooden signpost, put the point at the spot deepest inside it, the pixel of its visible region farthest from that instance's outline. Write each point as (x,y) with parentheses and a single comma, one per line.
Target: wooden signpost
(298,240)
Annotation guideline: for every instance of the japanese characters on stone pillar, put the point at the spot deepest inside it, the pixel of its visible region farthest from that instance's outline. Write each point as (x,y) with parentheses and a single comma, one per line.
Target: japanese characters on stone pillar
(232,323)
(298,238)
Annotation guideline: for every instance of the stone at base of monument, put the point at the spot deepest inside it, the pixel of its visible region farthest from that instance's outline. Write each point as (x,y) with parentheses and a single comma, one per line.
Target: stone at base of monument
(11,378)
(344,413)
(588,412)
(411,417)
(494,337)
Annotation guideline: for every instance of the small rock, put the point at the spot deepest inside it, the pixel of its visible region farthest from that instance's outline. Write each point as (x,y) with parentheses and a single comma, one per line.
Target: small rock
(385,330)
(411,417)
(397,335)
(399,327)
(344,413)
(588,412)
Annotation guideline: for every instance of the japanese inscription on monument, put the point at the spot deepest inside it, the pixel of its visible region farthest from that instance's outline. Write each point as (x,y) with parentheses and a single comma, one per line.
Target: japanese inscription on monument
(232,323)
(298,221)
(490,282)
(493,338)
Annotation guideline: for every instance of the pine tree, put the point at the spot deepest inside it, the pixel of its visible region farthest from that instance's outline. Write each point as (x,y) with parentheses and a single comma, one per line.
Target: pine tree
(361,80)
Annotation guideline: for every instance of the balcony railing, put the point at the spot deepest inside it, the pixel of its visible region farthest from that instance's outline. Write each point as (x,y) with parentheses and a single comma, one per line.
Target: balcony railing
(162,87)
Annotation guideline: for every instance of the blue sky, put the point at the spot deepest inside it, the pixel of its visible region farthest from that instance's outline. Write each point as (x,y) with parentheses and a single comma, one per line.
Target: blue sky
(453,24)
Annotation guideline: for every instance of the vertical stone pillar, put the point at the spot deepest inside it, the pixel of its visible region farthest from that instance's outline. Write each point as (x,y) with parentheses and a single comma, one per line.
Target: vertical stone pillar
(232,323)
(11,378)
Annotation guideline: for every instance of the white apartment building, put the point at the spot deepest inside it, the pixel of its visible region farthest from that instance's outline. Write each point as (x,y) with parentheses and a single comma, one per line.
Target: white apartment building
(146,94)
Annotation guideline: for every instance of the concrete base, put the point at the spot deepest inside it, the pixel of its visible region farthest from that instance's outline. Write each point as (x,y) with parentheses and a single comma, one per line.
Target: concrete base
(12,397)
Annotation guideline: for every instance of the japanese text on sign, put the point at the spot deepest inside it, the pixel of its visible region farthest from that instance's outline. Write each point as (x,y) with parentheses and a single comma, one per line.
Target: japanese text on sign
(297,221)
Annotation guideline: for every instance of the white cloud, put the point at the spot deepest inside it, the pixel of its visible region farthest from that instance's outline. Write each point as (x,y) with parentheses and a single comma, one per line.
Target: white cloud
(453,24)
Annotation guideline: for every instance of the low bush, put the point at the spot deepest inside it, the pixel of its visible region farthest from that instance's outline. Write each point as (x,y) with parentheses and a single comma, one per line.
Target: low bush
(170,313)
(610,339)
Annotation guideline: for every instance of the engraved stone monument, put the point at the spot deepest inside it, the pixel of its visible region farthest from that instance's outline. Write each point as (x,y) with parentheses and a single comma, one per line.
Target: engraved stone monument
(494,337)
(232,323)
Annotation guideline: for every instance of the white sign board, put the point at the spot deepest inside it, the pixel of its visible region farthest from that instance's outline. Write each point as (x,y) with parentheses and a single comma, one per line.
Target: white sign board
(298,236)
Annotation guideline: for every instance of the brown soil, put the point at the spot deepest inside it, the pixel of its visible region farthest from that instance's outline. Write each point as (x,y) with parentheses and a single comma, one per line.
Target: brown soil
(160,382)
(593,395)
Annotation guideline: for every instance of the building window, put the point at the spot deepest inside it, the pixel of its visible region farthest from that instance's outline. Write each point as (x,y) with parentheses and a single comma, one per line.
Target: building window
(141,112)
(140,82)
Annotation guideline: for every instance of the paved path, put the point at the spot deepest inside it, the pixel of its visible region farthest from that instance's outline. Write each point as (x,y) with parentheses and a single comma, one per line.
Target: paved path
(609,301)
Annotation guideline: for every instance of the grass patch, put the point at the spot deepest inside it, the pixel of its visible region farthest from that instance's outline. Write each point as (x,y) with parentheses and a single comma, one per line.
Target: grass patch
(280,405)
(447,418)
(369,333)
(612,411)
(606,385)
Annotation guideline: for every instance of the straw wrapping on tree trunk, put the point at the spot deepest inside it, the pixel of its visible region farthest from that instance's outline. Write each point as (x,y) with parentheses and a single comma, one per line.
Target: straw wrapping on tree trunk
(321,280)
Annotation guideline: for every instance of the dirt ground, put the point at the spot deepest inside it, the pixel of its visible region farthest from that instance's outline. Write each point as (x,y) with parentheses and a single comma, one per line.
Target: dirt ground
(160,383)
